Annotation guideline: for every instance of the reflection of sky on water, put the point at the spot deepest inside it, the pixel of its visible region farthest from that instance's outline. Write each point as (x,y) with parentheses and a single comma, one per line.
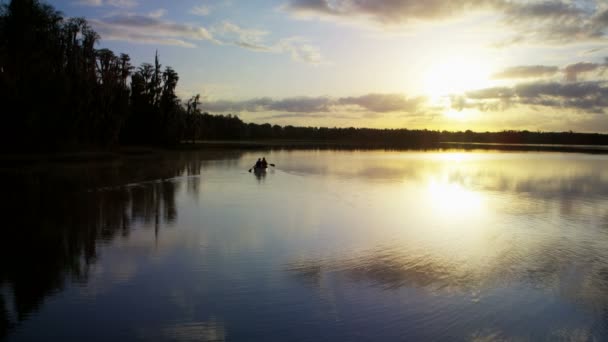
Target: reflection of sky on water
(329,245)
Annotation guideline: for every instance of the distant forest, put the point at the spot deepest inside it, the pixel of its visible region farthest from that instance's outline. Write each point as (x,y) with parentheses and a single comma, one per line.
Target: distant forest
(58,92)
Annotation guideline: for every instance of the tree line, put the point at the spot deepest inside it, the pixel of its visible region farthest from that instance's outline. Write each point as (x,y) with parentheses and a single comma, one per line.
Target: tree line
(229,127)
(59,91)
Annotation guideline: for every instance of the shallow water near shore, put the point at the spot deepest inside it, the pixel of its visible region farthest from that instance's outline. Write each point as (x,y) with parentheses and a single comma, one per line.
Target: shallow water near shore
(327,245)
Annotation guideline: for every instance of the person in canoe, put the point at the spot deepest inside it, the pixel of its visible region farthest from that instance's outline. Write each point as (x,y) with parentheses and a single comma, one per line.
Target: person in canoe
(261,164)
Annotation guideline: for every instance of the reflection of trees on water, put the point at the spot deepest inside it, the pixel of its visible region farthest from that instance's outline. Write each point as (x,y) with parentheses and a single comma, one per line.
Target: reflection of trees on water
(55,216)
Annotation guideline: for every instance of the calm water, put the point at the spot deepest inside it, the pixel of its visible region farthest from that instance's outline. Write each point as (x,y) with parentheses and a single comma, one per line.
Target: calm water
(370,246)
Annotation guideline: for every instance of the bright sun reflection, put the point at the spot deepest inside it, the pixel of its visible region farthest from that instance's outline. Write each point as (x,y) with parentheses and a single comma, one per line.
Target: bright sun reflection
(453,200)
(454,156)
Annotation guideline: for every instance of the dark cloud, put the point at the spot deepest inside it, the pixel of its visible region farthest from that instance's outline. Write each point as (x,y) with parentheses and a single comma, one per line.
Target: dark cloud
(252,105)
(554,10)
(601,20)
(378,103)
(312,6)
(527,71)
(589,97)
(549,21)
(555,89)
(491,93)
(251,46)
(387,11)
(384,102)
(302,104)
(573,70)
(304,115)
(581,97)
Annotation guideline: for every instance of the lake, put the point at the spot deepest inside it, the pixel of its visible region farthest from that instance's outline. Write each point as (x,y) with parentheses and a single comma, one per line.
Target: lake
(326,246)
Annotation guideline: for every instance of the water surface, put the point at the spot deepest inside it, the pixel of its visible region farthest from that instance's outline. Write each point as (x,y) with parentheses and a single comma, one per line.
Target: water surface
(328,245)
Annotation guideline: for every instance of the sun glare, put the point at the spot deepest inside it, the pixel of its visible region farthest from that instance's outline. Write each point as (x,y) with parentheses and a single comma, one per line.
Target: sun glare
(453,200)
(455,75)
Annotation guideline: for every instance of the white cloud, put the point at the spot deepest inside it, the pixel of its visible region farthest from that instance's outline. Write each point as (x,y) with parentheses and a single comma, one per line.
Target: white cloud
(299,48)
(159,13)
(252,39)
(200,10)
(122,3)
(150,29)
(113,3)
(94,3)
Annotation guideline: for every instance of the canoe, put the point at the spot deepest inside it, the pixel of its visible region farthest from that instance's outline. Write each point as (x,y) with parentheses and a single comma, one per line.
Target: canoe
(260,169)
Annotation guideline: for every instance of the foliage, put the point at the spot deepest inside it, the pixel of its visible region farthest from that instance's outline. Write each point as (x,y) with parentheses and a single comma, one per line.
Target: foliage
(60,91)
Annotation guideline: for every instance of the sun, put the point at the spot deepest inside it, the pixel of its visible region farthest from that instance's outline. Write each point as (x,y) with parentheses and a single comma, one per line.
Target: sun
(455,75)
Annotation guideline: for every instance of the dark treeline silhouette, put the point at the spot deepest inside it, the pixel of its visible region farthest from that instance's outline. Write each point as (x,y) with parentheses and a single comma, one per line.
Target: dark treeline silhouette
(58,92)
(229,127)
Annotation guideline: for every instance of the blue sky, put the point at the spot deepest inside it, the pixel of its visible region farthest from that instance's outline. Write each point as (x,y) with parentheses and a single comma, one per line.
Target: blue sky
(459,64)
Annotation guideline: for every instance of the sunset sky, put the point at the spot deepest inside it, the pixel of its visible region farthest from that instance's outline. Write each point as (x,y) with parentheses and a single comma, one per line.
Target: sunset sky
(459,64)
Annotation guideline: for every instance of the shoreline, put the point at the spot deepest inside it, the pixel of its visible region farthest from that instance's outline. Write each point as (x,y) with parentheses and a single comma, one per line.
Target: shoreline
(117,153)
(440,146)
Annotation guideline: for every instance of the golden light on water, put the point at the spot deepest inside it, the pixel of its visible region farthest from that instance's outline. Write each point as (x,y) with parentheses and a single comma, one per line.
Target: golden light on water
(453,200)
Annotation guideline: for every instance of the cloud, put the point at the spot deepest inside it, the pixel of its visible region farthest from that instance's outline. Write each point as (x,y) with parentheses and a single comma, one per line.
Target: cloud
(376,103)
(491,93)
(298,48)
(526,71)
(572,71)
(200,10)
(305,115)
(266,104)
(548,21)
(94,3)
(382,103)
(113,3)
(247,38)
(151,29)
(385,11)
(159,13)
(589,97)
(555,22)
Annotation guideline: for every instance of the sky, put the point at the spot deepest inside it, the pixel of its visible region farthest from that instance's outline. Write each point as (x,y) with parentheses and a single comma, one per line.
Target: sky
(484,65)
